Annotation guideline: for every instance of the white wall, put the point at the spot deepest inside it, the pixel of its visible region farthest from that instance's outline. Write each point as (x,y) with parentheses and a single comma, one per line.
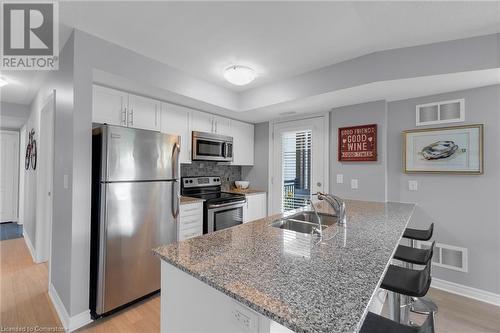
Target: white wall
(465,208)
(371,175)
(258,175)
(29,191)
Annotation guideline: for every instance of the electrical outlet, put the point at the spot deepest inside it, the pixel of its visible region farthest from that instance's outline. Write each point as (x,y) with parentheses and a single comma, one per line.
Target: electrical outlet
(354,184)
(413,185)
(340,178)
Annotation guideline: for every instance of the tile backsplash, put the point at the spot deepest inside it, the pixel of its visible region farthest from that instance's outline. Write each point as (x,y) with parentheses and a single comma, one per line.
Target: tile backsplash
(228,173)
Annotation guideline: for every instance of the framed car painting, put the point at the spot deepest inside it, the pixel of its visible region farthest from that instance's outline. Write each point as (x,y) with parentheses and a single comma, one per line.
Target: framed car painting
(457,149)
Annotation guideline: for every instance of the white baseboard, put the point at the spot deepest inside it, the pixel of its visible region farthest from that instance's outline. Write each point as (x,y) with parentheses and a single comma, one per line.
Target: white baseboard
(29,245)
(459,289)
(70,324)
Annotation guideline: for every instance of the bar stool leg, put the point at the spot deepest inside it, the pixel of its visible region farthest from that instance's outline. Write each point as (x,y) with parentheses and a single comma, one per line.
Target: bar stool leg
(405,310)
(394,306)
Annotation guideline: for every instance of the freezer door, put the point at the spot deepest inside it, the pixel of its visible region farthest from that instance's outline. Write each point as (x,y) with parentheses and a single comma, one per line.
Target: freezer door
(134,154)
(139,217)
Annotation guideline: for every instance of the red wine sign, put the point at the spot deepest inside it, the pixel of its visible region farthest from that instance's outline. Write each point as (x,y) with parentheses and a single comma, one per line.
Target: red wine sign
(358,143)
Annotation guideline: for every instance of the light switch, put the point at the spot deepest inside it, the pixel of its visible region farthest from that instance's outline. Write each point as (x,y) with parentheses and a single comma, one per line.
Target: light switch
(354,184)
(413,185)
(66,182)
(340,178)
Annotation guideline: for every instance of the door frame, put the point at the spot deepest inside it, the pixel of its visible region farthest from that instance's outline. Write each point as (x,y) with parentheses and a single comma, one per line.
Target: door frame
(45,181)
(15,204)
(326,145)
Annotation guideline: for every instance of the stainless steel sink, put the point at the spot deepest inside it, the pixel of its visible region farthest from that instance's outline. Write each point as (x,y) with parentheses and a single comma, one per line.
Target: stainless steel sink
(296,225)
(310,216)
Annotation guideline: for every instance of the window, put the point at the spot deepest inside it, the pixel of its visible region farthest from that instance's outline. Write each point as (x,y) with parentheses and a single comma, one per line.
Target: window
(296,171)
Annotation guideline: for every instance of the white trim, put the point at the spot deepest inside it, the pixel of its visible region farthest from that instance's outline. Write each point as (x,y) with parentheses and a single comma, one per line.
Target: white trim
(30,247)
(469,292)
(70,324)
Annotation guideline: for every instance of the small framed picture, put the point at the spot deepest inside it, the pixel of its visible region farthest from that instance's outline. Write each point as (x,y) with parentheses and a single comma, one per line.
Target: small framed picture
(457,149)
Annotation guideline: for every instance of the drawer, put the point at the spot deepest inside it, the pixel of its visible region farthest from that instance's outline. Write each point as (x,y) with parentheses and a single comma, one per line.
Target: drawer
(191,209)
(191,232)
(186,222)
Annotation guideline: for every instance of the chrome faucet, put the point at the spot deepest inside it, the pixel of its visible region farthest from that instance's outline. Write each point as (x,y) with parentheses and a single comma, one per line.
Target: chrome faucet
(320,229)
(337,204)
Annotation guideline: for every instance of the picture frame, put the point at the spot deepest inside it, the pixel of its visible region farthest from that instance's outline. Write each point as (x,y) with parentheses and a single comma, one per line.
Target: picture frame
(451,150)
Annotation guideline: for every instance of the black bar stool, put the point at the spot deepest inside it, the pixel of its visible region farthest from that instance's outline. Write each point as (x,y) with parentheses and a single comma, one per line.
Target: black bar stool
(414,255)
(417,234)
(411,255)
(377,324)
(402,281)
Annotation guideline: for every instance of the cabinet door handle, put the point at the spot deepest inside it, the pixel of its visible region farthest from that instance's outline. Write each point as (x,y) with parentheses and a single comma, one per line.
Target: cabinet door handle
(131,115)
(124,117)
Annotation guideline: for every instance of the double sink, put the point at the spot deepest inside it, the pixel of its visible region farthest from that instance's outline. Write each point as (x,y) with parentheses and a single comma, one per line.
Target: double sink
(305,222)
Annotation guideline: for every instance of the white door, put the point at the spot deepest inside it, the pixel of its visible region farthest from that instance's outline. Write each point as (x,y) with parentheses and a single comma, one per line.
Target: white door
(202,122)
(243,142)
(45,176)
(143,113)
(300,162)
(175,119)
(222,125)
(9,155)
(109,106)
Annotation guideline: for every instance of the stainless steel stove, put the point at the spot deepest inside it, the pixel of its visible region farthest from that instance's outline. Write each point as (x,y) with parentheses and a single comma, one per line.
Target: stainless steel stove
(221,209)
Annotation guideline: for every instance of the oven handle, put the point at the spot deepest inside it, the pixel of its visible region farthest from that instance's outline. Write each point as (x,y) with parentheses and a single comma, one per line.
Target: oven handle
(235,204)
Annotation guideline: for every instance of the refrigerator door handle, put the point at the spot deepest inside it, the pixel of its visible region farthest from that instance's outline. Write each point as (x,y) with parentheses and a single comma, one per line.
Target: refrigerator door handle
(175,160)
(175,200)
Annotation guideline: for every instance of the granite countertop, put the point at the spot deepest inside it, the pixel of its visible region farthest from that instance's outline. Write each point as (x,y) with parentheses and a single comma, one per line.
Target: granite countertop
(248,191)
(291,278)
(189,200)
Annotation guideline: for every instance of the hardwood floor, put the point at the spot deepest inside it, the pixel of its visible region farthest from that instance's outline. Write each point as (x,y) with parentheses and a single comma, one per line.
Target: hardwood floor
(24,302)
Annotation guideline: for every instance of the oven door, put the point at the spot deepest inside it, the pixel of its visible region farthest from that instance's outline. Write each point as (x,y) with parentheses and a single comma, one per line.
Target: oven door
(223,216)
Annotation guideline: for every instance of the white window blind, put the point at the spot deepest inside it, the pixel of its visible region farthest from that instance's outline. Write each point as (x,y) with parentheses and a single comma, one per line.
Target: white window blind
(296,162)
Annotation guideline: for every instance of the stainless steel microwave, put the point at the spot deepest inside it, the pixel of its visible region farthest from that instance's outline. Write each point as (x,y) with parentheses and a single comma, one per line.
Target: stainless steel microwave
(212,147)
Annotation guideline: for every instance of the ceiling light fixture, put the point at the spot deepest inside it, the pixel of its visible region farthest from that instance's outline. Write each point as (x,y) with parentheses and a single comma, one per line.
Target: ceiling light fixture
(3,82)
(239,75)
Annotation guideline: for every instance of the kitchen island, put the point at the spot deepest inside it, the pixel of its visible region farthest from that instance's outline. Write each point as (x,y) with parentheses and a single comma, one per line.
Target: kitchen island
(258,278)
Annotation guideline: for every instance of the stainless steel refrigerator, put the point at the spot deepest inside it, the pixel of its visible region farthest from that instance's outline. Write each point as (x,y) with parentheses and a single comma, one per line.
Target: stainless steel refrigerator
(135,203)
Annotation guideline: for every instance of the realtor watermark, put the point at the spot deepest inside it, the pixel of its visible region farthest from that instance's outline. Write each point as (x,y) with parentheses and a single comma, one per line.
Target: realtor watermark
(29,35)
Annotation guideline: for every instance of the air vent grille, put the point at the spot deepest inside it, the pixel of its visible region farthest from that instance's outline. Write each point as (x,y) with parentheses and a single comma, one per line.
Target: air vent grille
(440,112)
(448,256)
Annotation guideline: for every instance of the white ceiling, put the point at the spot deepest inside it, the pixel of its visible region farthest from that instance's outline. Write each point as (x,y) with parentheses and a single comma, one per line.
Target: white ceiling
(22,86)
(392,90)
(278,39)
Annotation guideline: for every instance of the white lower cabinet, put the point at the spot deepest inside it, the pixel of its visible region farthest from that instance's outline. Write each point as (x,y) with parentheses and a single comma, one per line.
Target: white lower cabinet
(255,207)
(190,221)
(176,120)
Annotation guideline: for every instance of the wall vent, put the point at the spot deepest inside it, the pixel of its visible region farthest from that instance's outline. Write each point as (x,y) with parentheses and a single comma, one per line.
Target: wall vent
(447,256)
(440,112)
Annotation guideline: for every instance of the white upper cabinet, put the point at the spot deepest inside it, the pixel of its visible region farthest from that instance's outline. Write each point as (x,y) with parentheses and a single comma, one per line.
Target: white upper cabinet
(243,143)
(202,122)
(175,119)
(109,106)
(115,107)
(222,125)
(143,113)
